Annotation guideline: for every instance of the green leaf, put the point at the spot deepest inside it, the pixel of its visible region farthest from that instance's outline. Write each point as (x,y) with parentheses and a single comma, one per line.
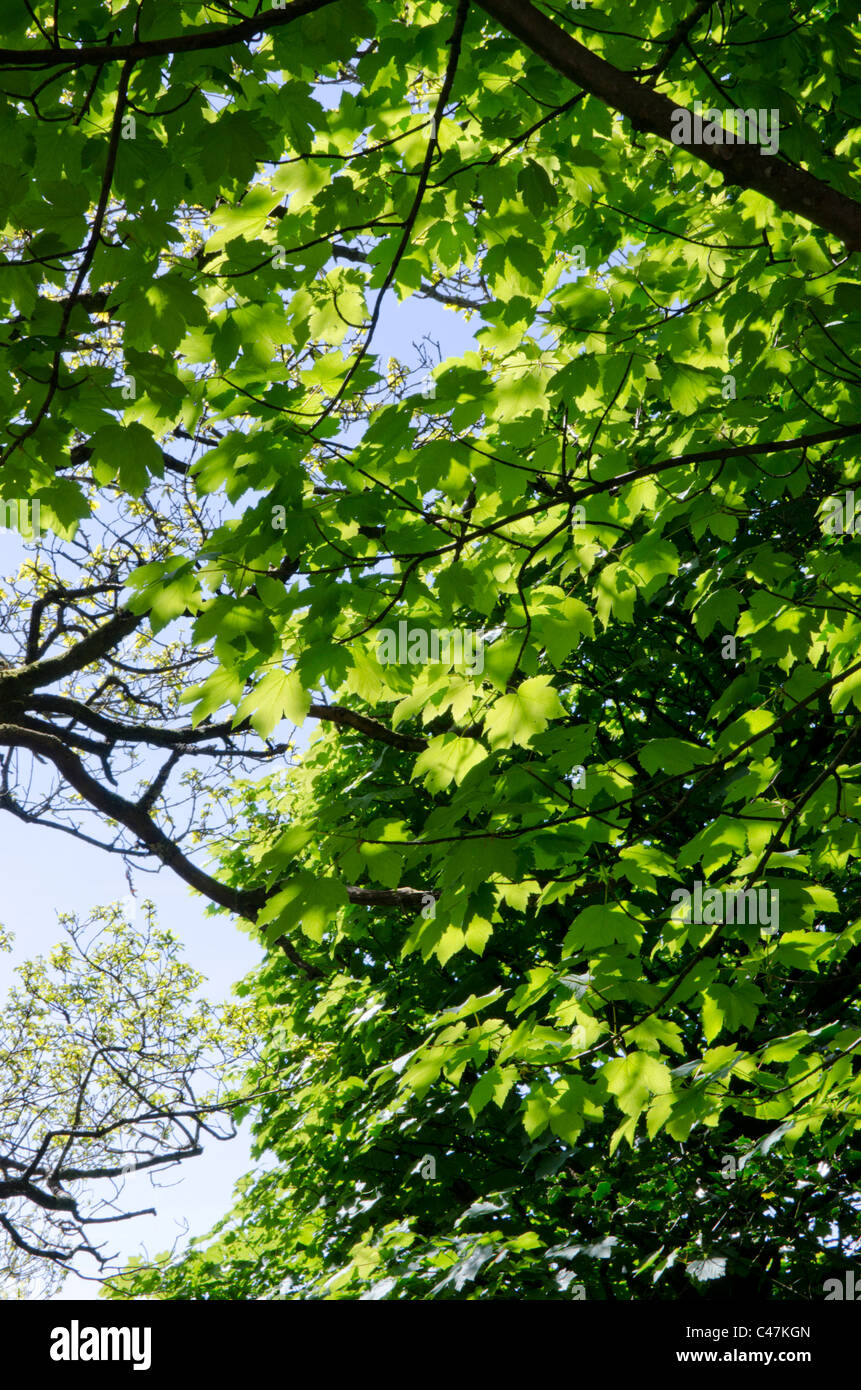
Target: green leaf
(448,759)
(494,1085)
(279,695)
(308,902)
(601,925)
(518,717)
(128,452)
(632,1080)
(672,755)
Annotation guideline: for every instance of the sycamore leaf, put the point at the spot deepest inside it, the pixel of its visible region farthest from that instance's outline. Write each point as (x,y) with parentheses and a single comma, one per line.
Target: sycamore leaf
(129,452)
(306,901)
(632,1080)
(671,755)
(518,717)
(494,1085)
(446,759)
(279,695)
(600,925)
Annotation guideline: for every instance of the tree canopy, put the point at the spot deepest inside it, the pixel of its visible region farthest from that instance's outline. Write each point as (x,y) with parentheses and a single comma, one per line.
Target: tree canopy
(560,891)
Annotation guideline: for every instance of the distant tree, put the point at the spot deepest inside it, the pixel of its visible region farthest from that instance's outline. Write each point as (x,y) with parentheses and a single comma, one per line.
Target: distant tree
(108,1068)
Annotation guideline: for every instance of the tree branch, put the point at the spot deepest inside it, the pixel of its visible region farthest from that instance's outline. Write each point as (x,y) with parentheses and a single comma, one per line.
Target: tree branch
(193,41)
(134,816)
(339,714)
(23,680)
(789,188)
(775,446)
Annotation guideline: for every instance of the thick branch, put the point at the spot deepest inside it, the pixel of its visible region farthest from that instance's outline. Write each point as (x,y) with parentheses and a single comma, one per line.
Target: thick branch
(412,898)
(118,731)
(372,728)
(774,446)
(192,41)
(126,813)
(59,1256)
(789,188)
(25,679)
(19,1187)
(245,902)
